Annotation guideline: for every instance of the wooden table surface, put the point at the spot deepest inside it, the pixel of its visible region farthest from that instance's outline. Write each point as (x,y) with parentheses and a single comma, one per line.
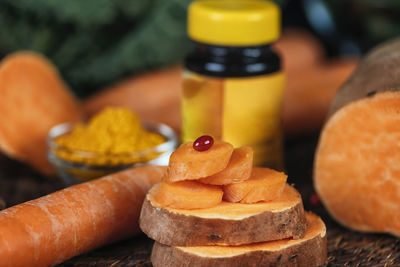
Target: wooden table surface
(19,183)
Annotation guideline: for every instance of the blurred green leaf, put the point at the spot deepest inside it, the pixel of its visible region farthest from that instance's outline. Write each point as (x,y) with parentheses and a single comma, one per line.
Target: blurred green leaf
(96,42)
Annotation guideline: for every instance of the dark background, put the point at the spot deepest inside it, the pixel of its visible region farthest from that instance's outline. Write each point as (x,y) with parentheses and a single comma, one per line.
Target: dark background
(97,42)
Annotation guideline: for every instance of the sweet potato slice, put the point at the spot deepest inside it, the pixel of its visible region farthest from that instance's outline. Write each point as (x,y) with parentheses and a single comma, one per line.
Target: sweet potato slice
(238,169)
(306,252)
(264,185)
(188,195)
(225,224)
(33,99)
(186,163)
(356,172)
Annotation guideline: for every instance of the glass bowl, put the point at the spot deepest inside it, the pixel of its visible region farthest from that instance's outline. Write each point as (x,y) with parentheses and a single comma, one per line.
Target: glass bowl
(76,172)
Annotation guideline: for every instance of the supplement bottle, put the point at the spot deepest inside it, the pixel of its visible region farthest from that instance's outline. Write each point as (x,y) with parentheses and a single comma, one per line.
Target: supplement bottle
(233,83)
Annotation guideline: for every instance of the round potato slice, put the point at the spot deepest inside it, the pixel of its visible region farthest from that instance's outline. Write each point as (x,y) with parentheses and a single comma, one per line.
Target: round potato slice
(186,163)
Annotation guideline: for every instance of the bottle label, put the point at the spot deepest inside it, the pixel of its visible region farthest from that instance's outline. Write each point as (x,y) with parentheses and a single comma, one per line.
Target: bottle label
(242,111)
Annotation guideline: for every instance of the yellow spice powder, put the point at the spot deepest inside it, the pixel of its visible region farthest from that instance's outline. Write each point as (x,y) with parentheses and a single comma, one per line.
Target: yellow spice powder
(113,135)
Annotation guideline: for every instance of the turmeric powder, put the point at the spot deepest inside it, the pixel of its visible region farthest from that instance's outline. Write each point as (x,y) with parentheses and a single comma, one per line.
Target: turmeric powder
(112,137)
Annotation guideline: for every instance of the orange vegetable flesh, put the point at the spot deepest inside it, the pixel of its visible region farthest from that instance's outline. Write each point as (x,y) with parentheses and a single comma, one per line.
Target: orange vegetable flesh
(56,227)
(356,172)
(264,185)
(33,99)
(188,195)
(186,163)
(238,169)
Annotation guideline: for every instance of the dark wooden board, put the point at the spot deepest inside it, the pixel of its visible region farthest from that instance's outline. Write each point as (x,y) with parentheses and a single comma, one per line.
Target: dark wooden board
(18,183)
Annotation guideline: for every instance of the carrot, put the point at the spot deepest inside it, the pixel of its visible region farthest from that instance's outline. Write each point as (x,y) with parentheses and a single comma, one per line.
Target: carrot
(56,227)
(33,99)
(186,163)
(238,169)
(188,195)
(264,185)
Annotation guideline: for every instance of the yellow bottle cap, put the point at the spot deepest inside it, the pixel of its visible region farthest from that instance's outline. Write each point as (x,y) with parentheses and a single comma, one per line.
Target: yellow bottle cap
(234,22)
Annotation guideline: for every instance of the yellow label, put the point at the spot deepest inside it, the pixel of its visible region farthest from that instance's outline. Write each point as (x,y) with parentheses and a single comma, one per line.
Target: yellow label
(252,109)
(241,111)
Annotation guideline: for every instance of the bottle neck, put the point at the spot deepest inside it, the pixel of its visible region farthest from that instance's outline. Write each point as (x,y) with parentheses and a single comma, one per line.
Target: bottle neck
(232,61)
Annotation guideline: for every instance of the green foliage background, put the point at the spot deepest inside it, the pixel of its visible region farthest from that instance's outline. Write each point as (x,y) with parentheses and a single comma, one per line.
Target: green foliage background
(95,42)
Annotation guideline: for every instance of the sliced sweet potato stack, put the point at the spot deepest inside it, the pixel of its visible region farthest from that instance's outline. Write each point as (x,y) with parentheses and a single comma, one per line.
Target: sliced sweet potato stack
(308,251)
(264,185)
(188,195)
(226,223)
(238,169)
(186,163)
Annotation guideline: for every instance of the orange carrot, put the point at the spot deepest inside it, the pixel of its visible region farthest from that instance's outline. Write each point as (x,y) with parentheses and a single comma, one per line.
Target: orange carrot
(264,185)
(186,163)
(188,195)
(238,169)
(56,227)
(33,99)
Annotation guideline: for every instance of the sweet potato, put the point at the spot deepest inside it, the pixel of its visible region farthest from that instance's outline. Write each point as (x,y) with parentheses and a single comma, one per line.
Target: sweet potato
(306,252)
(226,223)
(377,72)
(356,169)
(188,195)
(186,163)
(264,185)
(356,164)
(238,169)
(33,99)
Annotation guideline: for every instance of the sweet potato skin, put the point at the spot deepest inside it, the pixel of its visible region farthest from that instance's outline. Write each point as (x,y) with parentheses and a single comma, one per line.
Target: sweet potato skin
(377,72)
(300,256)
(171,228)
(312,252)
